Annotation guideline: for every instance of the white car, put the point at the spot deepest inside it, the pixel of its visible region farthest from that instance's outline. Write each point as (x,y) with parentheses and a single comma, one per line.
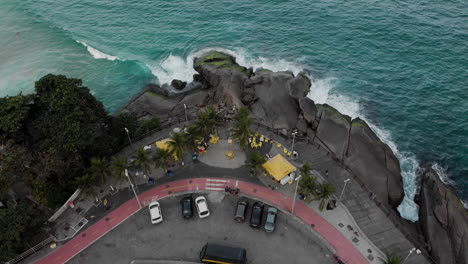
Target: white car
(155,212)
(202,207)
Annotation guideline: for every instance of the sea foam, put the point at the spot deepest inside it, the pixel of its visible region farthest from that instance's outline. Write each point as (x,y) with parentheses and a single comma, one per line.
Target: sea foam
(176,67)
(98,54)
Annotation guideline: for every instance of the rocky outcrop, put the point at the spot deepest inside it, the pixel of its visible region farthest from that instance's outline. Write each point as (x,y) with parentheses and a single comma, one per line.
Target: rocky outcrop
(374,162)
(278,99)
(444,220)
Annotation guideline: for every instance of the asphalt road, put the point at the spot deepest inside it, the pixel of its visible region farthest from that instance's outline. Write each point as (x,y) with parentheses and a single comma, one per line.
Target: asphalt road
(179,239)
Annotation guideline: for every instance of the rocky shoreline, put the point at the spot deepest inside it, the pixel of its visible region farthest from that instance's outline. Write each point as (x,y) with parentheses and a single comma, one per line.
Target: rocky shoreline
(278,100)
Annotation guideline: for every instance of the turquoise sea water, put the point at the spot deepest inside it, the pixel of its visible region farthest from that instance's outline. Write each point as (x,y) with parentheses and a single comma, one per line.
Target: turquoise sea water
(402,65)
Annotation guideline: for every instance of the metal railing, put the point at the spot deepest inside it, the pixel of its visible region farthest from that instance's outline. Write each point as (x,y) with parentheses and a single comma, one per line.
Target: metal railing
(31,251)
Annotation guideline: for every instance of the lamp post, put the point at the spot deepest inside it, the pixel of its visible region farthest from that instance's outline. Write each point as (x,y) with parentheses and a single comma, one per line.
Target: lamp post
(128,135)
(185,109)
(294,133)
(344,187)
(133,188)
(295,193)
(411,252)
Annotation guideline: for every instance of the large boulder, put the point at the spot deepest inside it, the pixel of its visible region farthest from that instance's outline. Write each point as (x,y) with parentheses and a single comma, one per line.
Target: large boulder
(274,106)
(309,110)
(178,84)
(299,87)
(374,163)
(444,220)
(333,129)
(221,72)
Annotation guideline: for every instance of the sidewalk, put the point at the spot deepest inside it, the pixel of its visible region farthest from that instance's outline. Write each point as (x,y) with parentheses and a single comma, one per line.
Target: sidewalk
(344,248)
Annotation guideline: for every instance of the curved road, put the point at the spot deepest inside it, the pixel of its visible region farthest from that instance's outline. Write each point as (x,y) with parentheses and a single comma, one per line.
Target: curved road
(344,248)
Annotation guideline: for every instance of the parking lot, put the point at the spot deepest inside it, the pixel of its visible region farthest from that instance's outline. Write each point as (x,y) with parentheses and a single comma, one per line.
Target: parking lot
(177,238)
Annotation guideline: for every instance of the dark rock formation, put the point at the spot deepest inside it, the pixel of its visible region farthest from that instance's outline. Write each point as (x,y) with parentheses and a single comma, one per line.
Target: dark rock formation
(278,100)
(374,162)
(444,220)
(178,84)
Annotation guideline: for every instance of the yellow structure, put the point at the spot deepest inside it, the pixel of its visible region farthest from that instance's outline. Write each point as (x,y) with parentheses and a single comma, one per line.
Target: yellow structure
(162,144)
(278,167)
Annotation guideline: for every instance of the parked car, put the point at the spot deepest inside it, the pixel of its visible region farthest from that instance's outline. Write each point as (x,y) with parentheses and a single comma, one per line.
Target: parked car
(155,212)
(187,206)
(202,207)
(241,210)
(270,221)
(256,215)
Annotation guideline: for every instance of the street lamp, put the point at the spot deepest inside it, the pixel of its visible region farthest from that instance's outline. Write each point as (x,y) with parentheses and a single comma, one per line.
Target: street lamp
(411,252)
(128,135)
(185,109)
(344,187)
(133,188)
(294,136)
(295,193)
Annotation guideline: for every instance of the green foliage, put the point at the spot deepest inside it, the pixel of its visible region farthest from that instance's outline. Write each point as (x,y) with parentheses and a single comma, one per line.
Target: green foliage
(177,145)
(255,161)
(162,158)
(136,127)
(192,136)
(324,193)
(390,259)
(13,114)
(60,128)
(305,169)
(117,167)
(17,225)
(307,185)
(241,130)
(99,169)
(142,161)
(207,121)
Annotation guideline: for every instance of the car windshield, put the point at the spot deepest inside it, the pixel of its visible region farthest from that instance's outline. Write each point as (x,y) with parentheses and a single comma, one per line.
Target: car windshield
(204,213)
(153,206)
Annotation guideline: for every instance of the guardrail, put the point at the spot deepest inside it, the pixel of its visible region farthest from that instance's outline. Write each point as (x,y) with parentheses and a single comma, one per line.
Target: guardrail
(31,251)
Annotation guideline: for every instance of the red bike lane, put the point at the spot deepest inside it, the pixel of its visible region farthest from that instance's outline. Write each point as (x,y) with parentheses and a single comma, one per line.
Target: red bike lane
(344,248)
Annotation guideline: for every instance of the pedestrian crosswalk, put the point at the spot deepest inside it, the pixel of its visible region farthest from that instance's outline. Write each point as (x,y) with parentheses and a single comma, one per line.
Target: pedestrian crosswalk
(216,184)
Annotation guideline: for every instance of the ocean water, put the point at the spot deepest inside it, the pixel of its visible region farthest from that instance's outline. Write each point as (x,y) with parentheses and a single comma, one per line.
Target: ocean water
(401,65)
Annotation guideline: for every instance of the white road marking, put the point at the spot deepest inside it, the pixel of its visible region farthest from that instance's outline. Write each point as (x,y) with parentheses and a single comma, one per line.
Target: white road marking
(214,189)
(216,180)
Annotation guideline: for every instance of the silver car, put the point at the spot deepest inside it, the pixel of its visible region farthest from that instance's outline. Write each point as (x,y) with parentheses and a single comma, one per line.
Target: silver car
(270,221)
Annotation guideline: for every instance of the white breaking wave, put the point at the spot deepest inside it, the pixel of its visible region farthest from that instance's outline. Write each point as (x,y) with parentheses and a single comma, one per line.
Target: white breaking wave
(322,92)
(98,54)
(176,67)
(443,176)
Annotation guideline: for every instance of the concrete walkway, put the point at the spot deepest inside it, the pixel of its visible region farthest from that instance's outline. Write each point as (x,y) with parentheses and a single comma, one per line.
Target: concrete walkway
(343,247)
(216,155)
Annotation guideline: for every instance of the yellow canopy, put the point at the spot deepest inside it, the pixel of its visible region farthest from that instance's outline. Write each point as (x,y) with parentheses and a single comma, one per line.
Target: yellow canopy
(278,167)
(162,144)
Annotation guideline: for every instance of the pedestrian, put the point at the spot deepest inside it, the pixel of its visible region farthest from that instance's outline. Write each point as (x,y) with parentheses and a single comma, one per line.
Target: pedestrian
(326,172)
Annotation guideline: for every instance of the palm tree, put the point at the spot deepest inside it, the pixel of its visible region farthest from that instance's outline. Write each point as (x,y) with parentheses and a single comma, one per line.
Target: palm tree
(142,161)
(305,169)
(162,158)
(85,183)
(177,145)
(325,193)
(99,169)
(307,184)
(255,161)
(192,136)
(241,130)
(118,166)
(207,121)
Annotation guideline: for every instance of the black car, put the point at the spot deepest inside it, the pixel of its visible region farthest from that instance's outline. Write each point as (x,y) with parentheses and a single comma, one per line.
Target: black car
(256,216)
(187,206)
(241,210)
